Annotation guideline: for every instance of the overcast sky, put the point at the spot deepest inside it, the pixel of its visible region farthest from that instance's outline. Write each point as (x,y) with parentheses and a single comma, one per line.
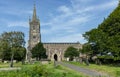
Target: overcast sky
(60,20)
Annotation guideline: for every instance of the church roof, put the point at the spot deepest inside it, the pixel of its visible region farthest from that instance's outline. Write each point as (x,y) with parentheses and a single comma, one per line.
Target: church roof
(63,43)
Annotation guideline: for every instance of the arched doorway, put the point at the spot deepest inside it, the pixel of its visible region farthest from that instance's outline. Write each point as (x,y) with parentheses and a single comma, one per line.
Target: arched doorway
(55,57)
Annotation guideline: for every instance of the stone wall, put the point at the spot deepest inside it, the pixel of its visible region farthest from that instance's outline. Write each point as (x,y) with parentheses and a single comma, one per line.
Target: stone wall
(56,50)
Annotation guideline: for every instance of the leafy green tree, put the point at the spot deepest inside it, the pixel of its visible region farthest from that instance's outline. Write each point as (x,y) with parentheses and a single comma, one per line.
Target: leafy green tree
(11,42)
(39,51)
(106,38)
(87,49)
(71,52)
(4,51)
(20,54)
(97,39)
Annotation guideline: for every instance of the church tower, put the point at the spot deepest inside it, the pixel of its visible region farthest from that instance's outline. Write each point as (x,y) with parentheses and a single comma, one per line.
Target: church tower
(34,32)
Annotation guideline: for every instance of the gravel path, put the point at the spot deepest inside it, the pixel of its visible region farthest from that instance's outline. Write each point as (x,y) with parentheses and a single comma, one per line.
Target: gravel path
(9,69)
(83,70)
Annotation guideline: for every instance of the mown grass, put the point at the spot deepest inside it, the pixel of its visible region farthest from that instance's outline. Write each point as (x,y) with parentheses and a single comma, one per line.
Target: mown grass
(62,71)
(5,65)
(39,70)
(112,71)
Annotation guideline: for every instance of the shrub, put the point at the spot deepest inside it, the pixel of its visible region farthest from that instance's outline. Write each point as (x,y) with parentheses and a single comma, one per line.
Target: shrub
(117,73)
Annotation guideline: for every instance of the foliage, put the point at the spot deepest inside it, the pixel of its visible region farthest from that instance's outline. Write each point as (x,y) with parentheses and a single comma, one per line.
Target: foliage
(106,38)
(12,46)
(87,48)
(6,65)
(41,71)
(20,54)
(39,51)
(71,52)
(4,51)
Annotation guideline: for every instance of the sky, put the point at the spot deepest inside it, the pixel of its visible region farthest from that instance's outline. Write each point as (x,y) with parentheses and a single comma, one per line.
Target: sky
(60,20)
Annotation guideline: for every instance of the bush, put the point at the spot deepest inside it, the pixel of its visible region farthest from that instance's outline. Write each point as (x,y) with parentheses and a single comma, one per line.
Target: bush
(58,67)
(31,71)
(40,71)
(35,71)
(117,73)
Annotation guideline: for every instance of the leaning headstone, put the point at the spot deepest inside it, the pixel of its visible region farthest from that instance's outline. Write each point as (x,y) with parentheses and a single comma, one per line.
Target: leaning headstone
(67,59)
(87,62)
(5,62)
(81,60)
(44,62)
(14,61)
(74,59)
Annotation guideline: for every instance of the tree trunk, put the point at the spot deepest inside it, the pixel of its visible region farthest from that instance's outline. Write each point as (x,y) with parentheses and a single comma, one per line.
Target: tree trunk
(23,61)
(11,63)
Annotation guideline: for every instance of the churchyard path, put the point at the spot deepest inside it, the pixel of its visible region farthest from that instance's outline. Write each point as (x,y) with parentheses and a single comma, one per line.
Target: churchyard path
(83,70)
(9,69)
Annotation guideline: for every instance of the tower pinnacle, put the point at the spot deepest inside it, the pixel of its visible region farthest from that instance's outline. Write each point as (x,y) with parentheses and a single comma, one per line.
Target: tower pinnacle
(34,14)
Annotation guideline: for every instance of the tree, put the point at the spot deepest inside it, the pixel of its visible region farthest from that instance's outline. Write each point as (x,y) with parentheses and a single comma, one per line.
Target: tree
(10,43)
(20,54)
(39,51)
(106,38)
(71,52)
(97,39)
(4,50)
(86,48)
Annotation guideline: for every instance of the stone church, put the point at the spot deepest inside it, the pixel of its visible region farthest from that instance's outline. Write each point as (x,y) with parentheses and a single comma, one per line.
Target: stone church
(54,51)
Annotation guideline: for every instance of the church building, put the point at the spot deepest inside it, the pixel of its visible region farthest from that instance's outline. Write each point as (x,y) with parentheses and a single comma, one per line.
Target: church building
(54,51)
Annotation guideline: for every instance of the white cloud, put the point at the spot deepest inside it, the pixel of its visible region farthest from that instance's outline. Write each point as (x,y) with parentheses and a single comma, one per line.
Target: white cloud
(71,18)
(111,4)
(68,20)
(80,4)
(16,23)
(64,9)
(45,24)
(76,4)
(105,6)
(69,38)
(18,12)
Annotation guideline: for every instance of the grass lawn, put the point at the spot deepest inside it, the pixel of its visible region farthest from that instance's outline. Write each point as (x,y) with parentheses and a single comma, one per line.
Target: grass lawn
(39,70)
(110,70)
(5,65)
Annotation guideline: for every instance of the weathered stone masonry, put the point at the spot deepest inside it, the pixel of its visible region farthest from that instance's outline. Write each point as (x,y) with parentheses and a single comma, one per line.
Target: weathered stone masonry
(55,51)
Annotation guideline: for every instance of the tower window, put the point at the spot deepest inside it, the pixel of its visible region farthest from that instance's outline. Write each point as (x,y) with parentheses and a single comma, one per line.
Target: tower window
(33,27)
(34,37)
